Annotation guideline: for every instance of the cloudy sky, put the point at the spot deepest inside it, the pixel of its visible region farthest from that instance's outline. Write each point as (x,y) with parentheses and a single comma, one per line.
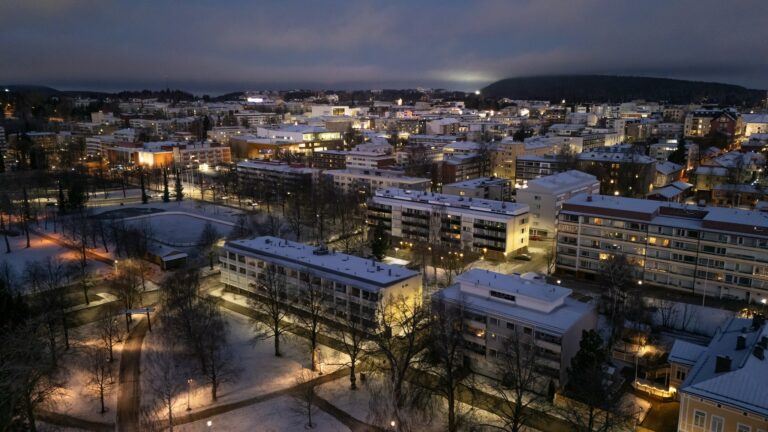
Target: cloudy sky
(217,46)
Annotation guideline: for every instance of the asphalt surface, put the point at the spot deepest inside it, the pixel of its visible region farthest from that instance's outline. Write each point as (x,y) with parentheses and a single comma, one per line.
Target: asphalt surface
(129,396)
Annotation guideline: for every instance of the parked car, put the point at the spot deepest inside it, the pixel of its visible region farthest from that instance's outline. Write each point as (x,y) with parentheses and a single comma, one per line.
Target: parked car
(523,257)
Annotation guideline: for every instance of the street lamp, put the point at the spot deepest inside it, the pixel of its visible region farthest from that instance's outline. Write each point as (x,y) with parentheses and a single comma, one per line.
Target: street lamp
(189,384)
(209,424)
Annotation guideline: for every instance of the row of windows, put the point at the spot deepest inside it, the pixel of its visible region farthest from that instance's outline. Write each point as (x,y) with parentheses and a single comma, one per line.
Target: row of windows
(717,423)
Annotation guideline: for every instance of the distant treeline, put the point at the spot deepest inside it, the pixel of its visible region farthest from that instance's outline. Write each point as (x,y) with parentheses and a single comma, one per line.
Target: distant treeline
(603,88)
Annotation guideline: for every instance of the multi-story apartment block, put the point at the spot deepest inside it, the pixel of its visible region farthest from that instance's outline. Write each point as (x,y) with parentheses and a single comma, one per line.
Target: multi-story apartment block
(276,177)
(353,288)
(621,170)
(546,195)
(3,143)
(368,180)
(329,159)
(499,310)
(711,251)
(495,229)
(529,167)
(493,188)
(311,138)
(724,386)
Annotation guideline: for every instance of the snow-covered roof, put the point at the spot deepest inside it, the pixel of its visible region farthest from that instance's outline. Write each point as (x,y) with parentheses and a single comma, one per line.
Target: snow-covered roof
(454,201)
(708,218)
(755,118)
(616,157)
(562,182)
(667,192)
(686,353)
(360,272)
(557,320)
(744,384)
(373,174)
(667,168)
(271,166)
(478,182)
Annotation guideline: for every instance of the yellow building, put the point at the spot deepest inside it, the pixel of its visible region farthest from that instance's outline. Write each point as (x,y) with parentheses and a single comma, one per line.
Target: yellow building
(725,387)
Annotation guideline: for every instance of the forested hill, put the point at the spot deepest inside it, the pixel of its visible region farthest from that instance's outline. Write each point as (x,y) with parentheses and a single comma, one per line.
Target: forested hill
(606,88)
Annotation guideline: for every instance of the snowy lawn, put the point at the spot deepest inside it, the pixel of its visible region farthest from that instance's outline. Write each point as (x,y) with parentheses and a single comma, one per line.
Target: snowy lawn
(225,214)
(40,250)
(260,371)
(357,404)
(274,415)
(76,398)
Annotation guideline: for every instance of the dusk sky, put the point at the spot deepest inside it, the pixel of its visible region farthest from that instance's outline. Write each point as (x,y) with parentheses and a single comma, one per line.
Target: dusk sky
(211,46)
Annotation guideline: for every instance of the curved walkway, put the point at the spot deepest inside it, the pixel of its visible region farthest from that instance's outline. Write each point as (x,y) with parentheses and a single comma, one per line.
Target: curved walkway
(129,396)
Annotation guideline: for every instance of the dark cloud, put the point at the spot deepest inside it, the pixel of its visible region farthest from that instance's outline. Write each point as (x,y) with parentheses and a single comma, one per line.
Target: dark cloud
(457,44)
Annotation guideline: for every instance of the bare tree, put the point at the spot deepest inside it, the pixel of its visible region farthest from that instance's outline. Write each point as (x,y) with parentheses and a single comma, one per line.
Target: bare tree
(400,339)
(167,379)
(208,238)
(617,274)
(353,335)
(445,358)
(27,375)
(109,331)
(99,368)
(310,312)
(127,285)
(521,386)
(272,303)
(306,397)
(220,363)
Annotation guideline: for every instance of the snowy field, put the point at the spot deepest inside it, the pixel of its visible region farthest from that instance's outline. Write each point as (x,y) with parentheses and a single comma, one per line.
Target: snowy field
(357,404)
(41,250)
(274,415)
(76,398)
(180,229)
(260,371)
(222,213)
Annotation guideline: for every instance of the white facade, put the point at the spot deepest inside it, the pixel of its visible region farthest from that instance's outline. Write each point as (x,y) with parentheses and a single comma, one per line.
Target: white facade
(351,286)
(497,307)
(545,197)
(493,228)
(713,251)
(353,180)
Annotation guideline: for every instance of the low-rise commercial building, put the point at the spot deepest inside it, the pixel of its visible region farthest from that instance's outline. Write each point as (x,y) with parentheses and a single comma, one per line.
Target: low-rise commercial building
(495,229)
(499,310)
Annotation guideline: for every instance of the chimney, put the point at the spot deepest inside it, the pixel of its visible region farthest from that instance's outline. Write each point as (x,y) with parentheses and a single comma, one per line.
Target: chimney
(741,342)
(589,198)
(759,352)
(722,364)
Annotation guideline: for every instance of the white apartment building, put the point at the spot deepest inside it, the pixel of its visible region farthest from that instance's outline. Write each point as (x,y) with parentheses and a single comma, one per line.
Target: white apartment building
(712,251)
(353,287)
(368,159)
(498,307)
(333,111)
(368,180)
(495,229)
(545,197)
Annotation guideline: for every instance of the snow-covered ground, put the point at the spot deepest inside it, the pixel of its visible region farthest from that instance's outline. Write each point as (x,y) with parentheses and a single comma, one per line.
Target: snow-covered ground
(180,228)
(357,404)
(40,250)
(76,398)
(261,372)
(274,415)
(226,214)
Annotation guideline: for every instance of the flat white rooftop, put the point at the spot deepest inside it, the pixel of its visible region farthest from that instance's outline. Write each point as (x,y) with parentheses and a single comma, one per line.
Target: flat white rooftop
(360,272)
(454,201)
